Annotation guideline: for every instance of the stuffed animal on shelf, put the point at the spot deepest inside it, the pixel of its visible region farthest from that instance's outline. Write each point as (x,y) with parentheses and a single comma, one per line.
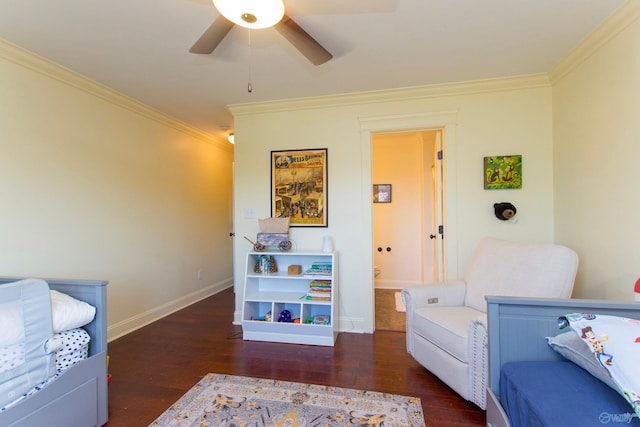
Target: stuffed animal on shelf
(285,316)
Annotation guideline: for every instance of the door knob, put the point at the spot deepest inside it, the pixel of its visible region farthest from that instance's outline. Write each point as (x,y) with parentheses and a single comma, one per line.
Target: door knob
(432,236)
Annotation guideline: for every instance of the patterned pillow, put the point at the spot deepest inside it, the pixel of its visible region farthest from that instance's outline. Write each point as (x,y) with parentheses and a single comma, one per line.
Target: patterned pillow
(615,344)
(569,345)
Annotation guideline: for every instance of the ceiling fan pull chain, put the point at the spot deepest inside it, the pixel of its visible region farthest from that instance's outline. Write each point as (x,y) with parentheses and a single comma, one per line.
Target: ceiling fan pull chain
(249,85)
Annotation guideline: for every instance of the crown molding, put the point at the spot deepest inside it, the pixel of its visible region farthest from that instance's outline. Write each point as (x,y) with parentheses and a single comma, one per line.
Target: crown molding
(529,81)
(50,69)
(625,15)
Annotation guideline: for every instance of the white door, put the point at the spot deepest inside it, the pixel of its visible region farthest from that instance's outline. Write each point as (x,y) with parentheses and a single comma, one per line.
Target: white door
(438,203)
(431,206)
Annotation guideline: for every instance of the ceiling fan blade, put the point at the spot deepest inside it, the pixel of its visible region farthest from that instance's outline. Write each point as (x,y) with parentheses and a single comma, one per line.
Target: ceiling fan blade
(302,41)
(213,36)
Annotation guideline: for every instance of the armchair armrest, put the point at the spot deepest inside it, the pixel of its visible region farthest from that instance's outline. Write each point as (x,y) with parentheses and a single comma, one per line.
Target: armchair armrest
(444,294)
(440,294)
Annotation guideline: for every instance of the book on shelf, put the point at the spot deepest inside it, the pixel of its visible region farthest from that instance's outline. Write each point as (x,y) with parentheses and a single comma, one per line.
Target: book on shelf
(316,298)
(312,293)
(319,269)
(318,292)
(320,286)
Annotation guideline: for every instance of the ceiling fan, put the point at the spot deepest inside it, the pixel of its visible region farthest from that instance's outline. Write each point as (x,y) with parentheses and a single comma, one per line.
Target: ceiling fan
(253,14)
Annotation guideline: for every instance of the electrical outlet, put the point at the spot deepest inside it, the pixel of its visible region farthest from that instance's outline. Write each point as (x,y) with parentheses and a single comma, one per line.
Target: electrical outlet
(432,300)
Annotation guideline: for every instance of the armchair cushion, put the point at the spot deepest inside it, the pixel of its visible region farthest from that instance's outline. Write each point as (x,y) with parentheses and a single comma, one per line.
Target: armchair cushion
(416,297)
(504,268)
(447,326)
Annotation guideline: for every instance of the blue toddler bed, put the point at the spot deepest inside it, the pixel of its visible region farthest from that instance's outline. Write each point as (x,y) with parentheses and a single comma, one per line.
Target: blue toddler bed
(531,384)
(53,368)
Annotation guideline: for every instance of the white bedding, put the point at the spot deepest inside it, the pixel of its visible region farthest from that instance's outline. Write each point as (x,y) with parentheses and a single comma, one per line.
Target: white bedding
(11,323)
(36,323)
(11,357)
(66,313)
(75,348)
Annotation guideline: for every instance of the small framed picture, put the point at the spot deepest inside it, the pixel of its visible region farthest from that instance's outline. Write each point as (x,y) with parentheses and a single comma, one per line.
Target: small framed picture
(381,193)
(502,172)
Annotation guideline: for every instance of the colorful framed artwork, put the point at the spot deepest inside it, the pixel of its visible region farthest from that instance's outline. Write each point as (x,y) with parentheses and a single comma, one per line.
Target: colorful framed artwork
(382,193)
(299,187)
(502,172)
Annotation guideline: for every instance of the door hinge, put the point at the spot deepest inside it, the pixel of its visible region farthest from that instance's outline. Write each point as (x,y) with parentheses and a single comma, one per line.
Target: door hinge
(440,155)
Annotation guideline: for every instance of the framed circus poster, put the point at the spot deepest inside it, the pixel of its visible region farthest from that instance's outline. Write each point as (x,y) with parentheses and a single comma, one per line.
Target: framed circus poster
(299,187)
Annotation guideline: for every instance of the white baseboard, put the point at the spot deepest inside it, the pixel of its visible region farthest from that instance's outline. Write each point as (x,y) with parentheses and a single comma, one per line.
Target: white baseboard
(237,317)
(394,284)
(355,325)
(138,321)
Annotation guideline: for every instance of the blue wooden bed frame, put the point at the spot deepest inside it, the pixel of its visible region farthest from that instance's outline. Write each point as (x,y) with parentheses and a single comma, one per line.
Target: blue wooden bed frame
(79,396)
(517,331)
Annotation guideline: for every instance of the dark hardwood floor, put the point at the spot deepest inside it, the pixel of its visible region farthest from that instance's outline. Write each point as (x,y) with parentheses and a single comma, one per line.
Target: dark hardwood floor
(155,365)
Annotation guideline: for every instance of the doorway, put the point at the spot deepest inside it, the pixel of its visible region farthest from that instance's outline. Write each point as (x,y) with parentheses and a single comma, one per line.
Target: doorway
(407,243)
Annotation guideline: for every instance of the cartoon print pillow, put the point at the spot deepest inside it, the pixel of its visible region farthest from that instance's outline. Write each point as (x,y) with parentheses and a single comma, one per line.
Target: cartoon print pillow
(615,344)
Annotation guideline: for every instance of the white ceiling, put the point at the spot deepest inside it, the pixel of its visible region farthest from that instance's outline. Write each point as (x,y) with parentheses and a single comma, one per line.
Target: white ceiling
(141,47)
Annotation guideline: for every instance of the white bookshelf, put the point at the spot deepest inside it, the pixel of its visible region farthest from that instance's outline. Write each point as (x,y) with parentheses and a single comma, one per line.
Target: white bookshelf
(275,292)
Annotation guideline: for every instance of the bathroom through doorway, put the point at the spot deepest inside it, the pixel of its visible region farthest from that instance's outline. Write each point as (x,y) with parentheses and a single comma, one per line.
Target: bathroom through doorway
(407,217)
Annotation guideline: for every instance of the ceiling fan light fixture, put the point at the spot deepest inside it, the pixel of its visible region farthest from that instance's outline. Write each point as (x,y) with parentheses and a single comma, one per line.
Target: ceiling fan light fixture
(254,14)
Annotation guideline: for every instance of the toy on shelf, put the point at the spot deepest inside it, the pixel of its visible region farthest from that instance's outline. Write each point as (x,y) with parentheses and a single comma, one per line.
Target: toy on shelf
(285,316)
(265,318)
(319,319)
(274,233)
(265,264)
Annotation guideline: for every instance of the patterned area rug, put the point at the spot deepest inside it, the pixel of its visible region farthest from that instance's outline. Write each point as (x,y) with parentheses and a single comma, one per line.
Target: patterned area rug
(233,401)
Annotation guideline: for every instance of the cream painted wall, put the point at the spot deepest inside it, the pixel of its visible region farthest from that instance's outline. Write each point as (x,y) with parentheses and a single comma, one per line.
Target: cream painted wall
(596,130)
(97,186)
(496,117)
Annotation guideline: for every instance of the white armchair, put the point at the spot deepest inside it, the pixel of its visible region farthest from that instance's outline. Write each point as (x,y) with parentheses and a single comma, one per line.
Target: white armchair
(447,322)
